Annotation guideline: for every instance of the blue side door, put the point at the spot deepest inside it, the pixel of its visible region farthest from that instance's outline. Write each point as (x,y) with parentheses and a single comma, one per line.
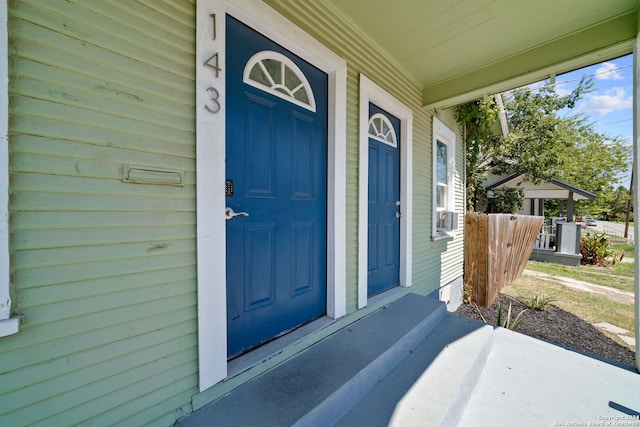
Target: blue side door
(276,157)
(384,205)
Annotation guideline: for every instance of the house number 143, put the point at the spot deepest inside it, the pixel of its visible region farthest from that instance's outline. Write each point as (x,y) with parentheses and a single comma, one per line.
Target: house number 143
(214,105)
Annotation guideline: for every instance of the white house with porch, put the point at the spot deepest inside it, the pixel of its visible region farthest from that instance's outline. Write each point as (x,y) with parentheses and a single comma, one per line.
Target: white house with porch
(559,239)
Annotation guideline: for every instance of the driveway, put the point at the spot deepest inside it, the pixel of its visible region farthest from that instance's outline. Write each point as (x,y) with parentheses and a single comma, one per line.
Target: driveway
(603,226)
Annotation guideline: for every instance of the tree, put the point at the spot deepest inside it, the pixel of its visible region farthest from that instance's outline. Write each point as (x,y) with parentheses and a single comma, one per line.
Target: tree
(481,143)
(541,144)
(506,200)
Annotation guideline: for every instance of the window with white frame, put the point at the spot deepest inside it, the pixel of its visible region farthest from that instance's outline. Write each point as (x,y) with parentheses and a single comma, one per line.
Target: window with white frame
(8,325)
(445,219)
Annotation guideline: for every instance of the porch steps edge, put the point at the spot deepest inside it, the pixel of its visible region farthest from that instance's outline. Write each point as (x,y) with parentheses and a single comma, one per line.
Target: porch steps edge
(432,385)
(461,396)
(334,407)
(320,384)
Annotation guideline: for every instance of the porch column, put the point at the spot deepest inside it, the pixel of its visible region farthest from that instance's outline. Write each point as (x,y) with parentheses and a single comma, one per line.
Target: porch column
(636,190)
(560,207)
(570,207)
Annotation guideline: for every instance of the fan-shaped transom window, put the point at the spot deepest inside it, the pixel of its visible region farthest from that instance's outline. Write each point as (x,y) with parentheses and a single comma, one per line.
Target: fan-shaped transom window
(275,73)
(380,129)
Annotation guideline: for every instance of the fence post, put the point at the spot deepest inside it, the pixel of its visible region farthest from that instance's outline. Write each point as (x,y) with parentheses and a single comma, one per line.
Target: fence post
(497,247)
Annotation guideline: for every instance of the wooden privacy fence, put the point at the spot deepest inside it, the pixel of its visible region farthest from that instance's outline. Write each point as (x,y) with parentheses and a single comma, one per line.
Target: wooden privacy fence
(496,250)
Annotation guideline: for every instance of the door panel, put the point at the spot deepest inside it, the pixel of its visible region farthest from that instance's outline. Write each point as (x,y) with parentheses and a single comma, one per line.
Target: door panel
(259,259)
(384,221)
(260,147)
(276,154)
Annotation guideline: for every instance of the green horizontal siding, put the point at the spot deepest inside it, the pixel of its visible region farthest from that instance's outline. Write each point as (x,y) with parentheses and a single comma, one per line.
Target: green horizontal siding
(103,271)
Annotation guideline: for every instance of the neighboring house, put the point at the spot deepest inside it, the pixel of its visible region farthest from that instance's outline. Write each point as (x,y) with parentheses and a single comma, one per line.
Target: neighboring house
(129,278)
(559,240)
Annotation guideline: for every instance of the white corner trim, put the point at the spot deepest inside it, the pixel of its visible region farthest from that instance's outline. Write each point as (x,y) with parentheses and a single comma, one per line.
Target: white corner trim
(210,152)
(372,93)
(7,326)
(635,183)
(210,164)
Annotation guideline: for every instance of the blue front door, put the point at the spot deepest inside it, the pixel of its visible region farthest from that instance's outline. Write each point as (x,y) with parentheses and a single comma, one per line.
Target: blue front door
(276,157)
(384,201)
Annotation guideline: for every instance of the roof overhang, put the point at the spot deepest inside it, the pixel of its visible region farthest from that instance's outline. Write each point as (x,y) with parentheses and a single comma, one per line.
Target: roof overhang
(551,190)
(460,51)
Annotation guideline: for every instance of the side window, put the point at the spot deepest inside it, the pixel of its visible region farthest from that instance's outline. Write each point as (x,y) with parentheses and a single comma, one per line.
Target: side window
(8,324)
(442,174)
(445,219)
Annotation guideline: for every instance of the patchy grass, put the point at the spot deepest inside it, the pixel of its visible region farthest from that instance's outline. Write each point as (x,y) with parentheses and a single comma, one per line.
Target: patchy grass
(592,308)
(625,269)
(622,247)
(621,278)
(626,249)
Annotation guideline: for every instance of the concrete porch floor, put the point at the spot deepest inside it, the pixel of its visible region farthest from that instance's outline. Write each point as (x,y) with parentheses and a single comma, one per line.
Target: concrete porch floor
(412,363)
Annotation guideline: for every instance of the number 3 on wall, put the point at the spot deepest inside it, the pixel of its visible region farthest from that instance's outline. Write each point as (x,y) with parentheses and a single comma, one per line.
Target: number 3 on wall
(214,100)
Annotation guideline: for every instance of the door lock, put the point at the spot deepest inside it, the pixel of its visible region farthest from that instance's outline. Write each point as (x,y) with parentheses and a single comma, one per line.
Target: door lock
(229,213)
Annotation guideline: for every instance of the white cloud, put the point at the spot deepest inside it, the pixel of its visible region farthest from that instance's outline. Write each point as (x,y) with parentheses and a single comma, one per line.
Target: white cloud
(614,99)
(563,89)
(608,71)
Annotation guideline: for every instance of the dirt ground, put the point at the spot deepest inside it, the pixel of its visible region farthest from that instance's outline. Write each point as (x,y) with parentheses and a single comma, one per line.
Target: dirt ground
(557,326)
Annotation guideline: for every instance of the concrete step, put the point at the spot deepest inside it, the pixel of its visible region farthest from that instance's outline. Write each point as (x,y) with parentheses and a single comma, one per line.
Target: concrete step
(433,384)
(323,383)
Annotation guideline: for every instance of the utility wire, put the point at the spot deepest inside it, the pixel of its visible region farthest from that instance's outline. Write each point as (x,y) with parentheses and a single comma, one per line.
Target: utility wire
(578,79)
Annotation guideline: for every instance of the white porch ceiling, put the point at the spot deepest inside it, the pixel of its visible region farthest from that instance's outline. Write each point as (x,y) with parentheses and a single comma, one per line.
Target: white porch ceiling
(460,50)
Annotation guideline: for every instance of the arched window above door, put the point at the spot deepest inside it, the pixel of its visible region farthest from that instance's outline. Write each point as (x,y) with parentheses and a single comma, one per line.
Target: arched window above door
(276,74)
(380,129)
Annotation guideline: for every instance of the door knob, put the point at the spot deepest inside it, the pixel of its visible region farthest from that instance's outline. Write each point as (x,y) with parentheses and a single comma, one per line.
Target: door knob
(229,213)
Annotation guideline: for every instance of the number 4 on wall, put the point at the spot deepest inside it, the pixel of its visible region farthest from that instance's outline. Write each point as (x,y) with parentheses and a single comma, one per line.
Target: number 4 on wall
(213,63)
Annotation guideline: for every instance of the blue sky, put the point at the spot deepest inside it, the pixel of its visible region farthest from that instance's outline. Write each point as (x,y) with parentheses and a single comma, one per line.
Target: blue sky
(610,105)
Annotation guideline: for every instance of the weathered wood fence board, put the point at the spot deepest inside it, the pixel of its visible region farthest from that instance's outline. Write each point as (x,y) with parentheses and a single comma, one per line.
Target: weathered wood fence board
(497,247)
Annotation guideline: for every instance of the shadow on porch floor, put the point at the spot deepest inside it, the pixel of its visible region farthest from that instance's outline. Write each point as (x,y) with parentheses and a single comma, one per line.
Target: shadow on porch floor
(413,363)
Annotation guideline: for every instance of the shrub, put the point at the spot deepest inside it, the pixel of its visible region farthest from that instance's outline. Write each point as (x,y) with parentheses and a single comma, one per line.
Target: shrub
(595,250)
(506,322)
(539,302)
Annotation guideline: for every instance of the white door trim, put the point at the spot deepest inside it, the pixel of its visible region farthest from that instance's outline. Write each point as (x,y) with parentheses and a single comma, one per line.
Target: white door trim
(372,93)
(210,166)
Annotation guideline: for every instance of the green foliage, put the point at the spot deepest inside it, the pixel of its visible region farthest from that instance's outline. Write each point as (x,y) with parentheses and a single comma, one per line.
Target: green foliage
(610,203)
(542,144)
(595,250)
(539,302)
(481,144)
(538,135)
(506,200)
(506,322)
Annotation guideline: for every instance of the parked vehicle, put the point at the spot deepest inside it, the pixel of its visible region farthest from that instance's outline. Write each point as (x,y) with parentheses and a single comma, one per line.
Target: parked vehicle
(591,223)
